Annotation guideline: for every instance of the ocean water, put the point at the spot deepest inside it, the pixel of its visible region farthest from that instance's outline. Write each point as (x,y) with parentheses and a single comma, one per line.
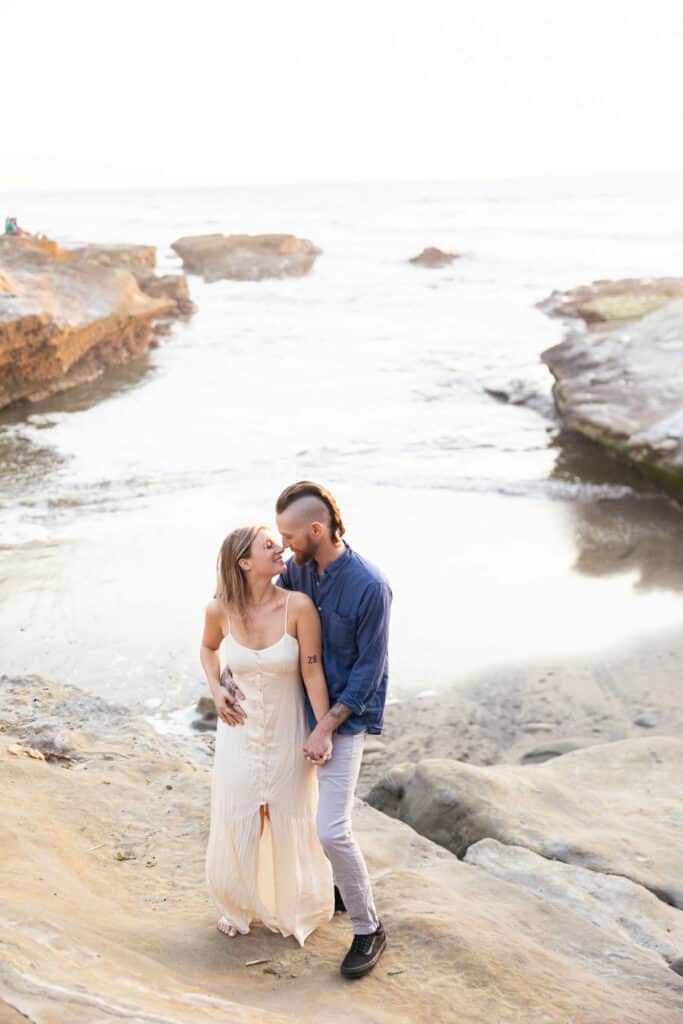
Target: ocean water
(503,538)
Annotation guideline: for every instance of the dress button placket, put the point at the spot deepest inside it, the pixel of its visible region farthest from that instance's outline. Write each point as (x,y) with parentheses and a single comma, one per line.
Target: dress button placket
(262,757)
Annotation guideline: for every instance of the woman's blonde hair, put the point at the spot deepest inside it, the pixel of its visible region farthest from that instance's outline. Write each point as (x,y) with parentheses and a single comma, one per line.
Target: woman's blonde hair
(231,585)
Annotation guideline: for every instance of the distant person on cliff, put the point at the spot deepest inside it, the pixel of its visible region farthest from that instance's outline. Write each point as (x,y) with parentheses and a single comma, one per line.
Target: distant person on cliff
(353,600)
(12,228)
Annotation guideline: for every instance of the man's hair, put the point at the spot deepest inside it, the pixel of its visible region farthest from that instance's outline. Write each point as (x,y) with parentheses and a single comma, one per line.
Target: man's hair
(308,489)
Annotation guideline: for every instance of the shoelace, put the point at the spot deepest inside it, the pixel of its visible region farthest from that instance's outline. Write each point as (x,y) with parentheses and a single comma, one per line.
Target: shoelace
(361,944)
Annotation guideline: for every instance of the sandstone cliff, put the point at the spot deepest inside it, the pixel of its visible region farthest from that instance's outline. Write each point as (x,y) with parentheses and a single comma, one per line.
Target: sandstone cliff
(105,914)
(65,316)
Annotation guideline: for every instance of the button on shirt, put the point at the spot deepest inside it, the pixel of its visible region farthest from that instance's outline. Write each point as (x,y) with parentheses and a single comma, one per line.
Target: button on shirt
(353,599)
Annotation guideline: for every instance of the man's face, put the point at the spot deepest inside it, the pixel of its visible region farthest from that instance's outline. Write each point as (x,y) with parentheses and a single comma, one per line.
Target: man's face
(298,536)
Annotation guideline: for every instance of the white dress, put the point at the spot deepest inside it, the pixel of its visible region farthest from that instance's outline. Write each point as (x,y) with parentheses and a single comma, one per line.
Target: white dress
(281,877)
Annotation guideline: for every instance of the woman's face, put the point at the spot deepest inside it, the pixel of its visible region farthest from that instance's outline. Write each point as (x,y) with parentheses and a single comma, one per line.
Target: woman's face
(266,555)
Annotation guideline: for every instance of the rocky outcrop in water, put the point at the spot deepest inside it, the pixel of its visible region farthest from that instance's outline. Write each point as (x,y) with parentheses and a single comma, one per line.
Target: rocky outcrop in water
(65,316)
(624,389)
(105,914)
(434,258)
(246,257)
(612,301)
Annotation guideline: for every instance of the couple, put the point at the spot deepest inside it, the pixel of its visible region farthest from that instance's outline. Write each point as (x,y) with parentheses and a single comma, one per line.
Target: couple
(325,621)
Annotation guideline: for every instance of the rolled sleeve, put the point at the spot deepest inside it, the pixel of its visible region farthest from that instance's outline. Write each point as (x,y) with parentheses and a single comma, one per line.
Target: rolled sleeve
(372,642)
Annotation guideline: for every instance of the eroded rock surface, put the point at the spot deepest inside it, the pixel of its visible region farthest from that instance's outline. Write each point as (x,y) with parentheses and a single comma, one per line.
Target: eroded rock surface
(612,902)
(105,915)
(614,808)
(140,260)
(65,316)
(624,389)
(246,257)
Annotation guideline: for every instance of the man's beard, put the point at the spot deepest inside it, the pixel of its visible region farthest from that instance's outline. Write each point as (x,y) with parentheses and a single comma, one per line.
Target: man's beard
(303,557)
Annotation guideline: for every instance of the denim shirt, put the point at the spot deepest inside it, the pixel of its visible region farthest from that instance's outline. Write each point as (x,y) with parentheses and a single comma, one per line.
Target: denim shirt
(353,599)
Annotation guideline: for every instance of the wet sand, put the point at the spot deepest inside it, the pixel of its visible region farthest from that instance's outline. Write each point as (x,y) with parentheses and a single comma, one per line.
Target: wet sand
(527,712)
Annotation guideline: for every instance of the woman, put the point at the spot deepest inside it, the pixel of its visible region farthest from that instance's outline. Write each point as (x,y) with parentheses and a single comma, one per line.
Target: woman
(264,860)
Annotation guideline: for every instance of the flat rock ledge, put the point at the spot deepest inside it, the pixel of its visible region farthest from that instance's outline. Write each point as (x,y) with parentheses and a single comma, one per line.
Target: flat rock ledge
(623,388)
(246,257)
(105,914)
(607,301)
(67,315)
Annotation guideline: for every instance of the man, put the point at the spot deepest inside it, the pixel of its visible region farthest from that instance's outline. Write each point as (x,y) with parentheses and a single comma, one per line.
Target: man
(354,600)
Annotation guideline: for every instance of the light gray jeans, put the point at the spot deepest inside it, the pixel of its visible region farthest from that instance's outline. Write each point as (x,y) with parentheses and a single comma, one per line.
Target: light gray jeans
(337,780)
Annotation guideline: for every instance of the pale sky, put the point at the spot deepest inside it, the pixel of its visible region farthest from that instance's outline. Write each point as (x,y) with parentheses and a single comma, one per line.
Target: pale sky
(161,92)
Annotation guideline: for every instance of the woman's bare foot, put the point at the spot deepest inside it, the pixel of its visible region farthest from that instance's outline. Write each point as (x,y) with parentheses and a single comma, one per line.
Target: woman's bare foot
(225,927)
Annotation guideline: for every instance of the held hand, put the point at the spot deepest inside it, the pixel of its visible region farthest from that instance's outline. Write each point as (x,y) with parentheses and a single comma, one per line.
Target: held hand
(227,700)
(228,708)
(318,747)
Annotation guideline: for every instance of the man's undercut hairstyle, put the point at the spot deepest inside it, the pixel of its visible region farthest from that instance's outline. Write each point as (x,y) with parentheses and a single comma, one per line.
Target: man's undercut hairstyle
(308,489)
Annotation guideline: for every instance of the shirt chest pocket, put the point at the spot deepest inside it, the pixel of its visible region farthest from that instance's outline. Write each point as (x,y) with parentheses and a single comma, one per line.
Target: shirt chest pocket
(341,634)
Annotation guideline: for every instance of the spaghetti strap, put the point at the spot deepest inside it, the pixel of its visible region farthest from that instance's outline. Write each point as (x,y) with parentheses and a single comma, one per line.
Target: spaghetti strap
(287,609)
(228,618)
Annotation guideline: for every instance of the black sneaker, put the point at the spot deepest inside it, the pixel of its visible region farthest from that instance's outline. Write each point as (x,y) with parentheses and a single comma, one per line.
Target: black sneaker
(364,953)
(339,905)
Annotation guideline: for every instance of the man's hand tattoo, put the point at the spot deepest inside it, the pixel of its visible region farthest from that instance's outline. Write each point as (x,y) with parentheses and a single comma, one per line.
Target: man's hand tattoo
(227,681)
(312,659)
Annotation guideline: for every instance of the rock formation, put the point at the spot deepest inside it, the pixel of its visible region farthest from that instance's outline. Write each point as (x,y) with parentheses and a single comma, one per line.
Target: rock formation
(613,808)
(140,260)
(613,301)
(624,389)
(105,914)
(434,258)
(246,257)
(65,316)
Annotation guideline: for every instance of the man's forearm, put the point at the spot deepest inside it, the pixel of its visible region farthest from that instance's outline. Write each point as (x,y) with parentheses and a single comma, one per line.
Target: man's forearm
(337,714)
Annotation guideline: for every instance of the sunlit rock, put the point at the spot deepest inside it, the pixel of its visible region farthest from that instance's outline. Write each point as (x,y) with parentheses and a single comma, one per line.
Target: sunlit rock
(613,807)
(105,913)
(65,316)
(246,257)
(607,301)
(624,389)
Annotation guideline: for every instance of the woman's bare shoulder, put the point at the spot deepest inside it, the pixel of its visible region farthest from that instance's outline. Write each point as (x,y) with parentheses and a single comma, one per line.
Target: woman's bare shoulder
(215,610)
(299,602)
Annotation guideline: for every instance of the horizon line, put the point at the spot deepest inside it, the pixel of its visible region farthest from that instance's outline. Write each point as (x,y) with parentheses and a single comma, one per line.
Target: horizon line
(341,182)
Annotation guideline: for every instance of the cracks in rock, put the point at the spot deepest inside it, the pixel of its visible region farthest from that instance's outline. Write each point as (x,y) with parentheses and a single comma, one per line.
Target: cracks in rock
(660,894)
(45,989)
(675,963)
(4,1001)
